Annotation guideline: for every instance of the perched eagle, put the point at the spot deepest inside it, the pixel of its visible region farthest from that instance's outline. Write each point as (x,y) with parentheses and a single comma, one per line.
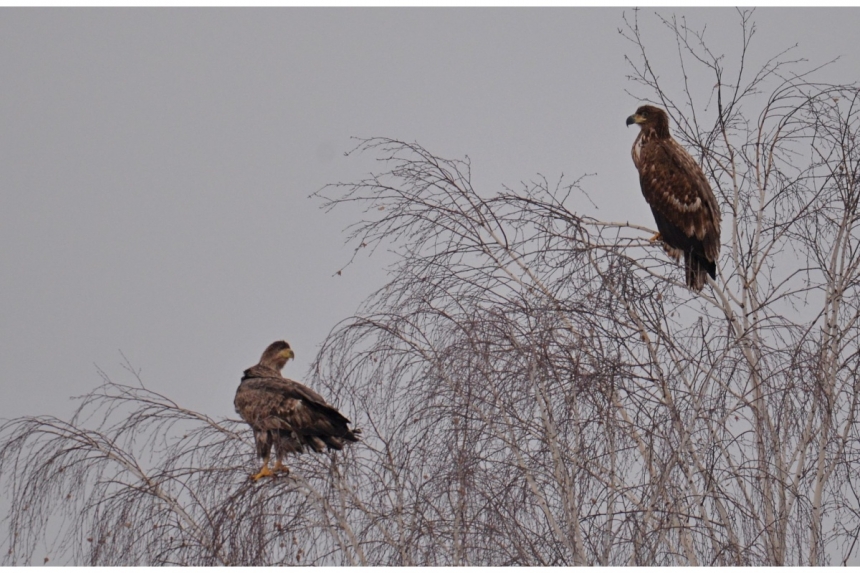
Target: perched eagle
(684,207)
(286,415)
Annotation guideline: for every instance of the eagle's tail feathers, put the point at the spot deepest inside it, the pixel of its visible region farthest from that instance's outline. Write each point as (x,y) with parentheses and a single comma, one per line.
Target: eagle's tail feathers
(698,269)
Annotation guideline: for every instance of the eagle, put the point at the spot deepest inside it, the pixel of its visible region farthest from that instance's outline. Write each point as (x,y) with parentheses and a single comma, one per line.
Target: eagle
(286,416)
(684,207)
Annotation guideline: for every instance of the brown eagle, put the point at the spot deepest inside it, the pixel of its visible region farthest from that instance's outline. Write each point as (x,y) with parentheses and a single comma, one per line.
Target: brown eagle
(286,415)
(684,207)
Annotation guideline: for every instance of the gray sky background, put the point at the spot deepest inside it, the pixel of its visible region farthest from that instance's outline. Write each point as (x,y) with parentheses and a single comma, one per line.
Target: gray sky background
(156,165)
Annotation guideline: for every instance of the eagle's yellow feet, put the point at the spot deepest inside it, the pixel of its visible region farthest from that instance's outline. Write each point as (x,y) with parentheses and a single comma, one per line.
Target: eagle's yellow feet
(281,468)
(265,472)
(655,238)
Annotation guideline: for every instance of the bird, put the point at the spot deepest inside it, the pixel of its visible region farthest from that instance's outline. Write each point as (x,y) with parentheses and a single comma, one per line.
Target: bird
(286,416)
(680,197)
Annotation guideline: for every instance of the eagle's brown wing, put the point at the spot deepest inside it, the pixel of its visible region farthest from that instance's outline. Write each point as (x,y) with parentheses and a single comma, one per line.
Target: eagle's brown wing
(291,413)
(683,204)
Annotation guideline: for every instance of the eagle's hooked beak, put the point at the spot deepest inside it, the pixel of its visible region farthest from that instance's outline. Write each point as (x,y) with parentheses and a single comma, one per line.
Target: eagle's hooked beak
(287,354)
(635,118)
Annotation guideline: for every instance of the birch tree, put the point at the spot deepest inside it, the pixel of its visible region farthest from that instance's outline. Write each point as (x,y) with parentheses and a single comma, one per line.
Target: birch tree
(535,386)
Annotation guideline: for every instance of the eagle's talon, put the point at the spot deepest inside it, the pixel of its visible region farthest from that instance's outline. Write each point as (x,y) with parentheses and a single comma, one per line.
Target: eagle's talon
(265,472)
(281,469)
(655,238)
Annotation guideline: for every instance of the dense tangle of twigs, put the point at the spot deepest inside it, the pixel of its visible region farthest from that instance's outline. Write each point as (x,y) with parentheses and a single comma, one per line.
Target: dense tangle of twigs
(534,386)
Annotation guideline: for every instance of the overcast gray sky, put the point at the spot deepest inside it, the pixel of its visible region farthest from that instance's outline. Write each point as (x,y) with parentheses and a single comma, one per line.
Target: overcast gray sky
(156,165)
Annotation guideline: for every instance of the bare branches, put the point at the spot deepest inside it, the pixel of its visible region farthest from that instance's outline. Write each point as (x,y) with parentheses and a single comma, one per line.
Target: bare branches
(535,386)
(135,479)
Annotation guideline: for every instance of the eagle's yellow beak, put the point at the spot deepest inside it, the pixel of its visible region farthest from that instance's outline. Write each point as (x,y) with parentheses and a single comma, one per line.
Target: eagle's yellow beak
(287,354)
(635,118)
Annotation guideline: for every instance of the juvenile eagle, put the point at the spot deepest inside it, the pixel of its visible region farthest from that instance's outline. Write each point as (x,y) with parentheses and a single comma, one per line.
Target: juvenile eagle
(286,415)
(684,207)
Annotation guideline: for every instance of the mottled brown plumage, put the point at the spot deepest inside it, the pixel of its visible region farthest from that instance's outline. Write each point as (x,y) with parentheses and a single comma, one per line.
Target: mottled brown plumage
(684,207)
(286,415)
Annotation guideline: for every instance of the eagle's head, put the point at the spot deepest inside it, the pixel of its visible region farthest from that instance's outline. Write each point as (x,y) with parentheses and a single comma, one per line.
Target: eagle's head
(651,118)
(276,355)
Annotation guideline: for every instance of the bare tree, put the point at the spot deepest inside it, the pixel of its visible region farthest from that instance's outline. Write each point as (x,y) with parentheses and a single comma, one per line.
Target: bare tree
(535,386)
